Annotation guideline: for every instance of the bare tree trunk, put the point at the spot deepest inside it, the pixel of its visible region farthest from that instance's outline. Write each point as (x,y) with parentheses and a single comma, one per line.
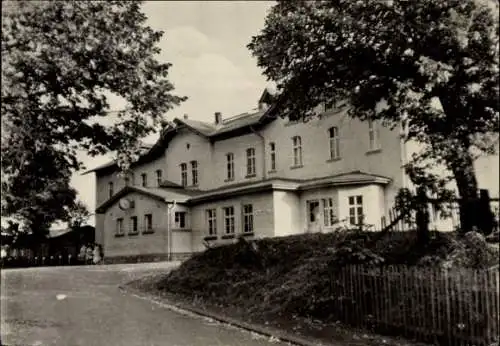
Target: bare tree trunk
(465,177)
(422,217)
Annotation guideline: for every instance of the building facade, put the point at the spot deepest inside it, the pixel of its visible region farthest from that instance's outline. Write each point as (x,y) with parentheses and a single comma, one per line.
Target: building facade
(253,174)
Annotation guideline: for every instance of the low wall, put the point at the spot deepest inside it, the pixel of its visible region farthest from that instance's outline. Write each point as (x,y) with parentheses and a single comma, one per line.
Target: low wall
(146,258)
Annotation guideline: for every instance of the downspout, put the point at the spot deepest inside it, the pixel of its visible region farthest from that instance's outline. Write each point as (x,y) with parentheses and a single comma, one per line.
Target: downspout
(170,206)
(264,172)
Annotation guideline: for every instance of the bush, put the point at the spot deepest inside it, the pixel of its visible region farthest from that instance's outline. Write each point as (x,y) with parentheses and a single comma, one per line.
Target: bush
(296,274)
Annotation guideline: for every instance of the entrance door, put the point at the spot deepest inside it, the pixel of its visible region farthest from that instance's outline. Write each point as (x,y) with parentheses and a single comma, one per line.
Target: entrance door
(313,216)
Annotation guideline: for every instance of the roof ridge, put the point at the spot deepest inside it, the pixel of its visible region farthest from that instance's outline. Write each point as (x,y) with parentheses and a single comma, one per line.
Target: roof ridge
(242,115)
(236,117)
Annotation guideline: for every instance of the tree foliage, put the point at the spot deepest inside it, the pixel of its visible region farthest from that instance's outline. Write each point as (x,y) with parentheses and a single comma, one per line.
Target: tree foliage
(61,62)
(40,193)
(78,214)
(431,66)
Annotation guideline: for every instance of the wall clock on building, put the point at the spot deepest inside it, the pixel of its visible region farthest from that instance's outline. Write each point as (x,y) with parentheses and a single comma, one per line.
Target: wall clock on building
(125,204)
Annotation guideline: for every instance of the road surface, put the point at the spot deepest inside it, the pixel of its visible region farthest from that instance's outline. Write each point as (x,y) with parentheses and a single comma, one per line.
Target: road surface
(72,306)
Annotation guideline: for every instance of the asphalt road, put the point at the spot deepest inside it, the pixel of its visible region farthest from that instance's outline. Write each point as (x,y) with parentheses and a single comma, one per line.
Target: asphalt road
(72,306)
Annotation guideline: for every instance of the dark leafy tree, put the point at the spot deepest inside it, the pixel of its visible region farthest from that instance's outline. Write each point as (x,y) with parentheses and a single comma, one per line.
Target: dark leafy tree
(61,62)
(430,66)
(40,193)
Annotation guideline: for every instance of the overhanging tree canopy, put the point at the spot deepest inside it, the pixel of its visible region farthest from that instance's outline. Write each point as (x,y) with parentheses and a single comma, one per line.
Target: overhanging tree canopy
(431,65)
(61,61)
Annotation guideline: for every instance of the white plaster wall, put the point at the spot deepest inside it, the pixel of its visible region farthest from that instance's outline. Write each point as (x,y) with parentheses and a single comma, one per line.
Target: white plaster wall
(287,219)
(140,244)
(181,242)
(372,207)
(187,146)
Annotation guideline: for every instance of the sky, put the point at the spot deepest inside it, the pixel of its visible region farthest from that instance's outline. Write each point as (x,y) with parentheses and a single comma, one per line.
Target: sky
(206,43)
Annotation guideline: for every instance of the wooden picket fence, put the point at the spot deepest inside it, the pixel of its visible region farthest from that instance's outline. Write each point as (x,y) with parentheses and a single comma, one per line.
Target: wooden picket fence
(442,306)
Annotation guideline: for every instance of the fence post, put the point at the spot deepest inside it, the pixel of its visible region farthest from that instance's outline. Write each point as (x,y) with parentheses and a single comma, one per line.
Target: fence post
(361,223)
(485,217)
(422,217)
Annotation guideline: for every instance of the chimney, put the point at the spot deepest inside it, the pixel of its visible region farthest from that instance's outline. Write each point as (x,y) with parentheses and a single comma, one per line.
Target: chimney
(218,118)
(185,116)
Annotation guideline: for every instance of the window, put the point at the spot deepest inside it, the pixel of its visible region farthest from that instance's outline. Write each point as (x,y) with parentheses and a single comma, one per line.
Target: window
(144,178)
(313,208)
(297,151)
(272,149)
(374,135)
(110,189)
(247,218)
(194,172)
(251,161)
(180,219)
(119,226)
(129,178)
(133,225)
(229,220)
(356,210)
(158,177)
(230,166)
(212,221)
(184,174)
(334,143)
(148,222)
(328,214)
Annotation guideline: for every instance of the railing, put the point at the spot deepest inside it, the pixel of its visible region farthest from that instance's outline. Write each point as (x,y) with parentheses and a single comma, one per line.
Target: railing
(443,216)
(450,307)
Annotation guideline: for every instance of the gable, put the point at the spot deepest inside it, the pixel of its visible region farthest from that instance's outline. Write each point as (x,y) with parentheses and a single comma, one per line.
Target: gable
(164,195)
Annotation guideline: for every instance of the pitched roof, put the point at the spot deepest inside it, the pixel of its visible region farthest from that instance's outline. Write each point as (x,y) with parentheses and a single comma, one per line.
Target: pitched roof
(227,125)
(165,195)
(279,183)
(145,149)
(348,178)
(168,183)
(205,129)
